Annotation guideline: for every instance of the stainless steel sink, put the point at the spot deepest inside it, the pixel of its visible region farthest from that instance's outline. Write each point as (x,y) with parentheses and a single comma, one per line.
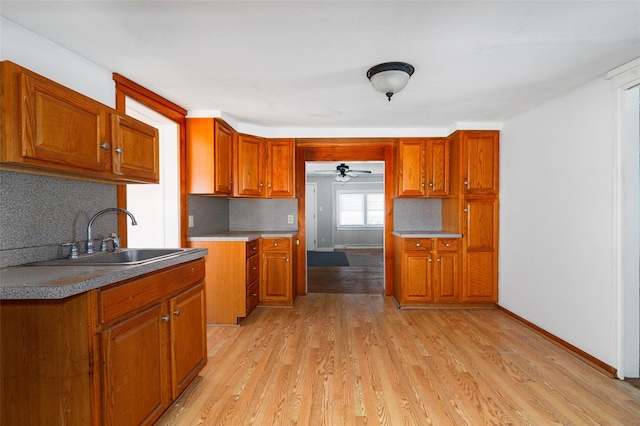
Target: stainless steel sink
(127,256)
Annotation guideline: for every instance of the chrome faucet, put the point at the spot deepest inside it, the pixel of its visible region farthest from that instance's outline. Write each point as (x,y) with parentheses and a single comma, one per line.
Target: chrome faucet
(95,216)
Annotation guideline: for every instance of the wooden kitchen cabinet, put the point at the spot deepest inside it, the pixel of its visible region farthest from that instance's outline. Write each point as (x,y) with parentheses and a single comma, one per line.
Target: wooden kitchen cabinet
(480,283)
(50,129)
(423,167)
(480,162)
(135,149)
(428,271)
(446,272)
(249,171)
(281,179)
(233,279)
(118,355)
(276,285)
(209,156)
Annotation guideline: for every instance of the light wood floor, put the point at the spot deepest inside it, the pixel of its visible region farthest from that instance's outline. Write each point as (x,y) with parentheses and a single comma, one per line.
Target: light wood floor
(354,359)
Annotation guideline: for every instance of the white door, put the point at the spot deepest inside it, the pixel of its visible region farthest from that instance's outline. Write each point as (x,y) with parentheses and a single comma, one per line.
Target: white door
(310,215)
(156,206)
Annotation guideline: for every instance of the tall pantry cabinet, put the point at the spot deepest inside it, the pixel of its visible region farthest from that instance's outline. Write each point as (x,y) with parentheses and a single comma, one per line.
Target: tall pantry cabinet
(473,210)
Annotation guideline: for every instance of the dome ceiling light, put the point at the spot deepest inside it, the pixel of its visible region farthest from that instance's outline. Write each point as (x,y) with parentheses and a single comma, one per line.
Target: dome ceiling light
(390,77)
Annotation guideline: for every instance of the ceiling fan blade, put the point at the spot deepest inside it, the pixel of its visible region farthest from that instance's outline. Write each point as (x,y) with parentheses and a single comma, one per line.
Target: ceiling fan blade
(359,171)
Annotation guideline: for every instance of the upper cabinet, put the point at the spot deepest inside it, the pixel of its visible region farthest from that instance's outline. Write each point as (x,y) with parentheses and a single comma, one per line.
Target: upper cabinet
(281,179)
(423,167)
(480,162)
(209,157)
(223,162)
(50,129)
(249,172)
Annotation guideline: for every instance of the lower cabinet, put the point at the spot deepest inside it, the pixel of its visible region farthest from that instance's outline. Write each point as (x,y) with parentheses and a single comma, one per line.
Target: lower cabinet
(428,271)
(233,279)
(113,356)
(276,286)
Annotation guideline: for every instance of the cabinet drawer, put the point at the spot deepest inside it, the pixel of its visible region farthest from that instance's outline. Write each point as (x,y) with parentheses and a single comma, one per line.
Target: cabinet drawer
(417,244)
(252,248)
(253,269)
(253,296)
(276,244)
(447,244)
(138,293)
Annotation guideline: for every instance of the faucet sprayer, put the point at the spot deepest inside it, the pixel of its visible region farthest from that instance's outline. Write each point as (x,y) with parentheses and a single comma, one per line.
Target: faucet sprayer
(95,216)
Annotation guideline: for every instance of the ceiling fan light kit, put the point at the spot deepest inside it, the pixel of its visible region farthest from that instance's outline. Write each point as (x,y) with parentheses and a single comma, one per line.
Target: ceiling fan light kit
(390,77)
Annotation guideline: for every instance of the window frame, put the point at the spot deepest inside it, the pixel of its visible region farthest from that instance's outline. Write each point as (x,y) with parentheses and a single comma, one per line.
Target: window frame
(365,210)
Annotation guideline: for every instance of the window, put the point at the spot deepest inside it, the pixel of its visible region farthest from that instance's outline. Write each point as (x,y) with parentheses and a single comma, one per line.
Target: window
(360,209)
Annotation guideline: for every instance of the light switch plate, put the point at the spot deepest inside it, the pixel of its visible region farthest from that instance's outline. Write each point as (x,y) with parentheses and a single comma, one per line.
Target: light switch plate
(290,218)
(191,225)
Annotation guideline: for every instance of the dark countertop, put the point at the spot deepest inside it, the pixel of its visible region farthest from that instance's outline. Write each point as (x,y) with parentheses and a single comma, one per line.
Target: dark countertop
(58,282)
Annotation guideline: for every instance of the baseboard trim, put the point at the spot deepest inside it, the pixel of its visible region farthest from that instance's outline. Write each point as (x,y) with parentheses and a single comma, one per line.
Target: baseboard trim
(591,360)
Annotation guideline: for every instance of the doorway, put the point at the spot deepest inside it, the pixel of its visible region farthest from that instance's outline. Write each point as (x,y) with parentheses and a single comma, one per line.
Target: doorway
(337,150)
(156,207)
(345,227)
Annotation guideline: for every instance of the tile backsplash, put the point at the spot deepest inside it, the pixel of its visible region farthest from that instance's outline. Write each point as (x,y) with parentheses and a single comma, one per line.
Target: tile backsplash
(39,213)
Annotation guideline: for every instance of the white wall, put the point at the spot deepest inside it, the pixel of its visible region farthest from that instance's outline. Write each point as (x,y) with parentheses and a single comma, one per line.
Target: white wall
(25,48)
(557,218)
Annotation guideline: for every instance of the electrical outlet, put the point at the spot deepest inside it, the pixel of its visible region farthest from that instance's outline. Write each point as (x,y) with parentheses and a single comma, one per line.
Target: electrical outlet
(191,225)
(290,218)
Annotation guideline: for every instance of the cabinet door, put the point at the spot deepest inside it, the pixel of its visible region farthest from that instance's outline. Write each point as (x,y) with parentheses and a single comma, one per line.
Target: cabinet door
(135,149)
(62,127)
(188,337)
(446,277)
(480,162)
(480,282)
(209,157)
(411,171)
(438,168)
(280,168)
(250,172)
(222,159)
(135,366)
(275,277)
(417,277)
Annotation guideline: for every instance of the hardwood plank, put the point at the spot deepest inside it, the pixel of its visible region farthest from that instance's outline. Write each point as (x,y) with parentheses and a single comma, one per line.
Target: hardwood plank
(355,359)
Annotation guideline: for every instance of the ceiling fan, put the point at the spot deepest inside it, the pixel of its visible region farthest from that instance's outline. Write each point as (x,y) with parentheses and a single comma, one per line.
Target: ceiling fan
(344,173)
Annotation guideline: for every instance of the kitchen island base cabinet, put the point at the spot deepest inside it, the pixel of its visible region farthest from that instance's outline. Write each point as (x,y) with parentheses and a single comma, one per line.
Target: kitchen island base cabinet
(233,270)
(104,357)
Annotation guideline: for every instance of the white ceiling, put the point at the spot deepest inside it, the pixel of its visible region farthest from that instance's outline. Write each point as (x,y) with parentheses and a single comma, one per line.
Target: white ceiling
(302,64)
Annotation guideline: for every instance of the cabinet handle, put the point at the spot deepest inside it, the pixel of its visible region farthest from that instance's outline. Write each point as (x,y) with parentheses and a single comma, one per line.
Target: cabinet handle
(287,259)
(465,182)
(431,184)
(275,244)
(254,268)
(466,210)
(447,245)
(268,185)
(255,294)
(176,312)
(105,146)
(165,318)
(438,259)
(417,244)
(254,248)
(430,260)
(119,150)
(422,184)
(261,185)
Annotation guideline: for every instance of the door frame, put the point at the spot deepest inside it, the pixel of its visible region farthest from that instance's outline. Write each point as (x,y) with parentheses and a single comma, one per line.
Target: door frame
(345,149)
(314,185)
